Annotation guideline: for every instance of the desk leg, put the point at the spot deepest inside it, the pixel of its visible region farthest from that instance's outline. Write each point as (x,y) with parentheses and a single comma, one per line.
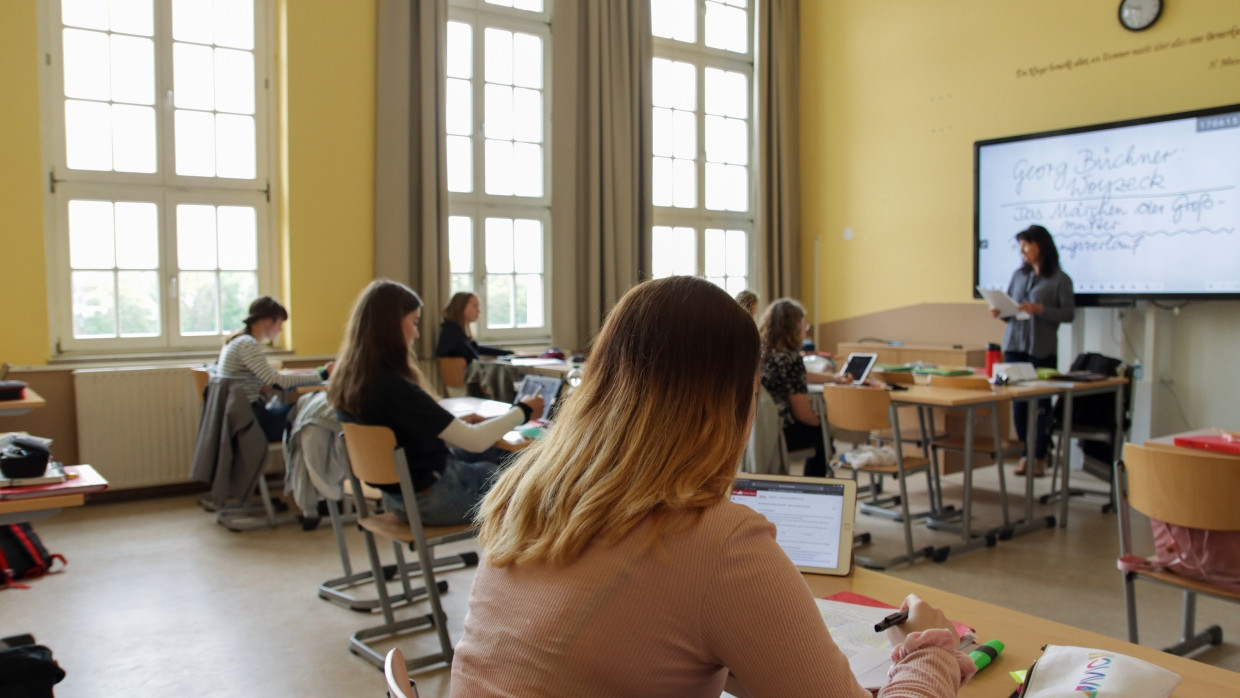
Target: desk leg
(968,540)
(1061,454)
(1027,524)
(1003,501)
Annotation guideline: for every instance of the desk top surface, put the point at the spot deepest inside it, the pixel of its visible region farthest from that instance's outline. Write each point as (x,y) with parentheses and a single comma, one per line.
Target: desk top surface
(1023,634)
(29,399)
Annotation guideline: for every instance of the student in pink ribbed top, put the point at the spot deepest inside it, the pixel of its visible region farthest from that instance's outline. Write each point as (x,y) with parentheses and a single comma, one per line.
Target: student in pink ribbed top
(615,564)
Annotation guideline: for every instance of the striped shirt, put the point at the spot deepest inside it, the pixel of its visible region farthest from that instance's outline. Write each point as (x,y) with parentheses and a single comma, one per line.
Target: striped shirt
(243,359)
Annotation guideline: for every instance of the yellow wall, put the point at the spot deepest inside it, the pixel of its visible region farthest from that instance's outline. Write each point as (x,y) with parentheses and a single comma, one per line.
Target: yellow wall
(326,206)
(895,92)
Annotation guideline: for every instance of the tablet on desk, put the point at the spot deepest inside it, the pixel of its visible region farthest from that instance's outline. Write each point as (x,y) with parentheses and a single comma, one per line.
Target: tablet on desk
(546,387)
(859,365)
(813,517)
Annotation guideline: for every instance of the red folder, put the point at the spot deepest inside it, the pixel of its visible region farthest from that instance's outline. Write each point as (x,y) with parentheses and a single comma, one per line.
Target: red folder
(1210,442)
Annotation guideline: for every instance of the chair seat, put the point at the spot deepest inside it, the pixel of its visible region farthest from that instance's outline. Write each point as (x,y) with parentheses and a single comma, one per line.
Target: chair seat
(391,526)
(911,463)
(907,435)
(984,445)
(1173,579)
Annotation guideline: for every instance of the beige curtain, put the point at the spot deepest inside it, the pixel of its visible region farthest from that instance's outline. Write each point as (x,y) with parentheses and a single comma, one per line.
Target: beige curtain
(777,70)
(411,197)
(601,150)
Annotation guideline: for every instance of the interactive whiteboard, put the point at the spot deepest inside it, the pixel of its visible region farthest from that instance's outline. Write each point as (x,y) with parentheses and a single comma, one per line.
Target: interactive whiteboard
(1143,208)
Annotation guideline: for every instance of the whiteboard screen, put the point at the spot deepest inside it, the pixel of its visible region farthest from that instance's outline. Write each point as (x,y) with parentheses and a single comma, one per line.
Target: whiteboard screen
(1145,208)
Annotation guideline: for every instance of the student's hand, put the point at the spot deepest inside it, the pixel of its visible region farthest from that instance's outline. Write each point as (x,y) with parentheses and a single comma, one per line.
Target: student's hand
(921,616)
(1031,308)
(536,405)
(327,367)
(994,312)
(845,379)
(473,419)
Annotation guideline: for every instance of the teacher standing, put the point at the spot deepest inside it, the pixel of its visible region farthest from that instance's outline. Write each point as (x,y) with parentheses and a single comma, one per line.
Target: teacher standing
(1043,291)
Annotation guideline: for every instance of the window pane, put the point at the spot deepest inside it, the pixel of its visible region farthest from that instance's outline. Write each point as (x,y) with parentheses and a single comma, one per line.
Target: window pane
(498,168)
(498,114)
(527,55)
(88,135)
(726,28)
(674,19)
(199,303)
(736,284)
(663,89)
(91,241)
(529,301)
(94,304)
(86,59)
(458,108)
(737,253)
(684,189)
(685,139)
(460,283)
(238,237)
(192,21)
(90,14)
(234,81)
(137,235)
(236,150)
(196,240)
(727,93)
(527,246)
(460,164)
(714,255)
(195,143)
(716,187)
(674,251)
(193,76)
(661,133)
(234,23)
(133,138)
(527,116)
(499,251)
(460,244)
(684,80)
(460,61)
(498,58)
(662,182)
(133,70)
(528,5)
(499,299)
(138,303)
(237,290)
(737,188)
(527,165)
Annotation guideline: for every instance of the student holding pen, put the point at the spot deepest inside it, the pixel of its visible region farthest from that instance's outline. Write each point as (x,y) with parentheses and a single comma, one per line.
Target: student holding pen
(614,562)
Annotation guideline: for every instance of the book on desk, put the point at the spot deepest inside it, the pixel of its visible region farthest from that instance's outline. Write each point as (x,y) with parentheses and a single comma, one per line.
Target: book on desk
(79,479)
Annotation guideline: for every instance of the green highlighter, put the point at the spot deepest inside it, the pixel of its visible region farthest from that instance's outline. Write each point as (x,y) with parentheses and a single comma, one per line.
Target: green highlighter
(985,654)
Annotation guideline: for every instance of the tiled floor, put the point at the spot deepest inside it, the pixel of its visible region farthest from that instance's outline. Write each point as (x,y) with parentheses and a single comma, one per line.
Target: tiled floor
(159,600)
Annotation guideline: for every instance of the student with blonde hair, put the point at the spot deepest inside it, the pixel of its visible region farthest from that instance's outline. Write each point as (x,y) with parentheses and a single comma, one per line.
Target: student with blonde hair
(748,301)
(455,337)
(615,563)
(377,382)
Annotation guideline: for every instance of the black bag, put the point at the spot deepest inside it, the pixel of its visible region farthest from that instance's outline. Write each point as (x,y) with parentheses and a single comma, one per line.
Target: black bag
(1097,411)
(22,555)
(28,671)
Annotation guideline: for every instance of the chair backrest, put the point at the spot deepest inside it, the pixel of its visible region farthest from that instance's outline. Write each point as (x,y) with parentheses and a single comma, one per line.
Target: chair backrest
(452,369)
(202,376)
(857,408)
(895,377)
(1184,487)
(398,683)
(765,451)
(370,453)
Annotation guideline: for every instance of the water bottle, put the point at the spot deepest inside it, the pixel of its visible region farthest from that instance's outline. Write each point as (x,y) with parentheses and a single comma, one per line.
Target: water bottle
(993,356)
(574,378)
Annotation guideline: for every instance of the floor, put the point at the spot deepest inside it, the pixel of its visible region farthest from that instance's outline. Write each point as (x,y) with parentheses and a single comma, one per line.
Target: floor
(159,600)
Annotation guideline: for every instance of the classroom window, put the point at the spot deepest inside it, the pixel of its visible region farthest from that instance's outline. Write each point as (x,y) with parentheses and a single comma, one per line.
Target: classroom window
(496,121)
(159,176)
(702,138)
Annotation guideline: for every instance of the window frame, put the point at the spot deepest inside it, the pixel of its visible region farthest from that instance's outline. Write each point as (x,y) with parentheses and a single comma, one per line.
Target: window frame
(163,187)
(477,205)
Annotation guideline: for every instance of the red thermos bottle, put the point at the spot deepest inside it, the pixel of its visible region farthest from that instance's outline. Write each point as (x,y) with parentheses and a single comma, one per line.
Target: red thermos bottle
(993,356)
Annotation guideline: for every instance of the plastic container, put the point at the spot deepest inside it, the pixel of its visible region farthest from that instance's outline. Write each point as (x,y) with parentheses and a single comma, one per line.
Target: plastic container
(993,356)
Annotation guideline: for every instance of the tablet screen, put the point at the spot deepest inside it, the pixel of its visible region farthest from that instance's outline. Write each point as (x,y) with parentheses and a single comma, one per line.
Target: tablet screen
(859,365)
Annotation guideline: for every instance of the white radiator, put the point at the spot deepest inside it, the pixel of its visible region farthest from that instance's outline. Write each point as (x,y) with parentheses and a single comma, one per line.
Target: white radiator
(137,426)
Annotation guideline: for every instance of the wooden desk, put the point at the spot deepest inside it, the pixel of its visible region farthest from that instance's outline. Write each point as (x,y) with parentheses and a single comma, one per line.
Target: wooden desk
(71,493)
(1023,636)
(29,401)
(461,406)
(906,353)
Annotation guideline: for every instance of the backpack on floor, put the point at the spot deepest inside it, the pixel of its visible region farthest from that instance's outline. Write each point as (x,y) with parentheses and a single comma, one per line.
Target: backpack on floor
(22,555)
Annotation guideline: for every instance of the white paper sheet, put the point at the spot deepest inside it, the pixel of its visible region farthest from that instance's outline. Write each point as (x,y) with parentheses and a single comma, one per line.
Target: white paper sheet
(1001,300)
(852,628)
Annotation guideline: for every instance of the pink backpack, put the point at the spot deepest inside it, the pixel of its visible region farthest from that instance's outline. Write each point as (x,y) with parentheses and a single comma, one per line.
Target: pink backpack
(1195,553)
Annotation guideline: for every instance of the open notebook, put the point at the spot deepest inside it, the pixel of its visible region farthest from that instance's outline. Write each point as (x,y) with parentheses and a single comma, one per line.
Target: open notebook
(813,517)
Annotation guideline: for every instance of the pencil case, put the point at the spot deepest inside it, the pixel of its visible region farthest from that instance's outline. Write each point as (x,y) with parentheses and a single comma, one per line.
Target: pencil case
(12,390)
(1072,672)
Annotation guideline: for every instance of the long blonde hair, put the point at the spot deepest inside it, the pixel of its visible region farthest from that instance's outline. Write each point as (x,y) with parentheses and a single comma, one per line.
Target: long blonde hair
(656,427)
(374,342)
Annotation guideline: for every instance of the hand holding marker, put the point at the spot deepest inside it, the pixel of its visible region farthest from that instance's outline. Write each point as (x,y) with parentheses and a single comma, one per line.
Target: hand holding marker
(985,654)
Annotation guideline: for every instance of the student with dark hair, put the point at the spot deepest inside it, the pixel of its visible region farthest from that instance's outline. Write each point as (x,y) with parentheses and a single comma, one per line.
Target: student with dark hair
(455,337)
(242,358)
(615,563)
(1043,291)
(377,382)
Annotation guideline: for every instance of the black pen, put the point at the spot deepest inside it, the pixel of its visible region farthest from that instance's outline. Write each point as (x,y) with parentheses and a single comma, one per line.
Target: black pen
(892,620)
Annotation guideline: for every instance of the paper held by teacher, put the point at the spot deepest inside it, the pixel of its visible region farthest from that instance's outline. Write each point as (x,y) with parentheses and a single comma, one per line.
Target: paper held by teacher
(1001,300)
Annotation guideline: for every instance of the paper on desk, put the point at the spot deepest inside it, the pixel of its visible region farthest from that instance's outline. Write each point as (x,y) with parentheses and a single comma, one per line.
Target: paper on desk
(852,628)
(1001,300)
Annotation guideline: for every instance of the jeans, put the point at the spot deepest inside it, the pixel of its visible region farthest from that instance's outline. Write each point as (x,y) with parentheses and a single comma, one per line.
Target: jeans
(1020,410)
(454,496)
(272,420)
(799,436)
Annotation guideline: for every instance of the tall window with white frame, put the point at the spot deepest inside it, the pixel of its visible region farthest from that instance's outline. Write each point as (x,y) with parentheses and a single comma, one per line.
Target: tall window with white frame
(159,184)
(703,140)
(496,118)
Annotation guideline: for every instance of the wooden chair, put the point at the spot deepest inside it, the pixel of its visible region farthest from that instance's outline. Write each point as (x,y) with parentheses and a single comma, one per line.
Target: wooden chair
(1183,487)
(452,370)
(398,682)
(868,409)
(374,458)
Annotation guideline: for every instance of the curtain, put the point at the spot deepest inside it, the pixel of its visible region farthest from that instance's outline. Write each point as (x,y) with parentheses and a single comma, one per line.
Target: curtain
(411,197)
(601,149)
(777,70)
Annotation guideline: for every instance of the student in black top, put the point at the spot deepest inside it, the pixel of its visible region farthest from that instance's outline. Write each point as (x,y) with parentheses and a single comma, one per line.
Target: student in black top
(376,381)
(455,339)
